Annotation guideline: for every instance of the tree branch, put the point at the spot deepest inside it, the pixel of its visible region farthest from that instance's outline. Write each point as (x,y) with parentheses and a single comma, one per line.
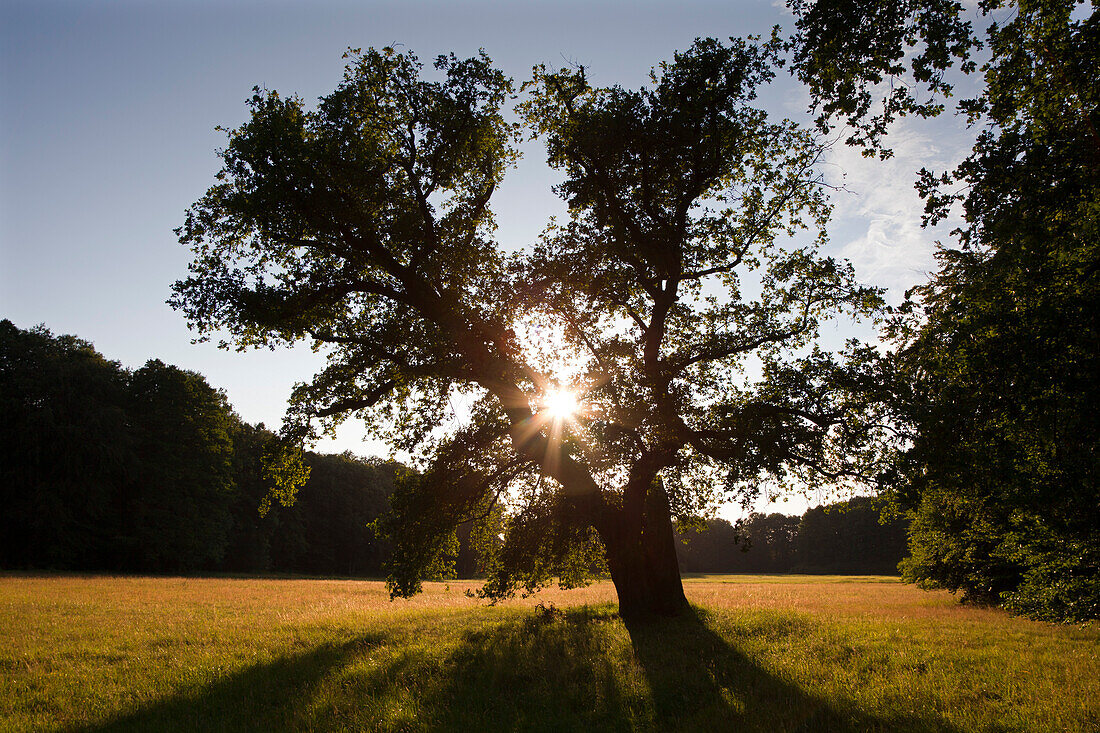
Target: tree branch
(371,399)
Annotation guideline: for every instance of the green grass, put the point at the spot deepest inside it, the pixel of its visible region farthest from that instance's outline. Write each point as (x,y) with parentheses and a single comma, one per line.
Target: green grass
(766,653)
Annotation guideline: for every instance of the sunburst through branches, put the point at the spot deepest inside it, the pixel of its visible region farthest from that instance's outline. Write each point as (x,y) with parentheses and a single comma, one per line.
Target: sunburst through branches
(561,404)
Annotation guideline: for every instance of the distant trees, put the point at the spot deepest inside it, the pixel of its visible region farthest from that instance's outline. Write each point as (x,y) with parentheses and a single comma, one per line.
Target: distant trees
(150,470)
(712,547)
(846,537)
(332,515)
(175,505)
(850,537)
(67,450)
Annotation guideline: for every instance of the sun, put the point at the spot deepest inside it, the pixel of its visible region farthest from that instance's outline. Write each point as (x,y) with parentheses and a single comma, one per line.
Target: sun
(561,404)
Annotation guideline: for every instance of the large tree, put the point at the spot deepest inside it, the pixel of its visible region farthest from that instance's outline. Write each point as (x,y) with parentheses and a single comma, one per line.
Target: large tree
(654,350)
(997,355)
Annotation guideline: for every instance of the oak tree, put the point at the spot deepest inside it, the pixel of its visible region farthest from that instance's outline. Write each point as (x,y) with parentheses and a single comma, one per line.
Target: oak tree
(651,353)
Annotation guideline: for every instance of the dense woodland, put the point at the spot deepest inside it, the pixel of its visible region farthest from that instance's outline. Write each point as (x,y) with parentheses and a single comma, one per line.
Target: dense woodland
(150,470)
(992,380)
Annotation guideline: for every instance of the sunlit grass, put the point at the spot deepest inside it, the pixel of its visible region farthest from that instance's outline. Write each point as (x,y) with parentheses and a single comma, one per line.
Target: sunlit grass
(767,653)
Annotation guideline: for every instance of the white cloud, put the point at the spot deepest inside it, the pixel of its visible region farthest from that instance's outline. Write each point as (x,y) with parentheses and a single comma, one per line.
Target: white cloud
(877,219)
(781,6)
(877,222)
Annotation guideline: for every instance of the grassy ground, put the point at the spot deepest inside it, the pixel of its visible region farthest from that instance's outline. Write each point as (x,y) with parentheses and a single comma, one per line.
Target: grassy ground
(760,653)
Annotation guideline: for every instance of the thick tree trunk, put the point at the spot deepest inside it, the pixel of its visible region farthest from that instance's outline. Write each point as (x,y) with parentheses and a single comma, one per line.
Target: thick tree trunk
(642,560)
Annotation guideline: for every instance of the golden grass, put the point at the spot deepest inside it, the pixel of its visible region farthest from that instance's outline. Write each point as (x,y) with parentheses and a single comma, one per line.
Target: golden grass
(768,653)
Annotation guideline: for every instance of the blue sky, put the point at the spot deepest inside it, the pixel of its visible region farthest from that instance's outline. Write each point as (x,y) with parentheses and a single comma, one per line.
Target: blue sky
(107,117)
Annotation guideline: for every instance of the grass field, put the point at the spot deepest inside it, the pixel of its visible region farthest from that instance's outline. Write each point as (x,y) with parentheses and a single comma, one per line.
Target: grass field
(760,654)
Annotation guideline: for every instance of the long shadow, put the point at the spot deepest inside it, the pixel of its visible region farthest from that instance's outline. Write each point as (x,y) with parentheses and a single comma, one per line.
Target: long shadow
(570,671)
(263,697)
(560,671)
(696,676)
(546,672)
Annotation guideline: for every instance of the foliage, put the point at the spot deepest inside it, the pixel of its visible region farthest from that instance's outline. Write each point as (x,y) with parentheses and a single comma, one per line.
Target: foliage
(176,509)
(758,544)
(998,354)
(364,225)
(251,539)
(107,469)
(327,531)
(869,62)
(855,536)
(67,448)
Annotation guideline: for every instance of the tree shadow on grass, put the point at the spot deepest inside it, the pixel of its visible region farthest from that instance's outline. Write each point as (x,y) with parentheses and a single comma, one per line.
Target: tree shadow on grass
(579,669)
(570,671)
(268,697)
(545,672)
(697,679)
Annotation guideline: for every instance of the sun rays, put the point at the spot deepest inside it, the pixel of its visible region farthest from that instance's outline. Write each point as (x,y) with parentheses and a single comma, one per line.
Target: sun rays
(561,404)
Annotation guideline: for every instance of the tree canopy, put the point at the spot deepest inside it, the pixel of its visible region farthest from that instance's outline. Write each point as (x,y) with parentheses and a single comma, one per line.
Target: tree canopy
(997,356)
(363,225)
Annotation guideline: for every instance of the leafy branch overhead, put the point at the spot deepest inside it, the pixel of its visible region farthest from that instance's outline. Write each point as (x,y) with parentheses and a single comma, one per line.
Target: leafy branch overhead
(993,381)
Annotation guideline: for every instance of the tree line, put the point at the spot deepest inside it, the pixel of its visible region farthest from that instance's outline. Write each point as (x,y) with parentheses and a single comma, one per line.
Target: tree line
(150,470)
(842,538)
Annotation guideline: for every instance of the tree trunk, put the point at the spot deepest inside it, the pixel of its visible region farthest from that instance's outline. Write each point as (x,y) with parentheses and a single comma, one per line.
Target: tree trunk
(643,563)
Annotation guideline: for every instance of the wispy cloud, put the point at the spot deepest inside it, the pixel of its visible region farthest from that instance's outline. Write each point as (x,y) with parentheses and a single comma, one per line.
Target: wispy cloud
(781,6)
(877,222)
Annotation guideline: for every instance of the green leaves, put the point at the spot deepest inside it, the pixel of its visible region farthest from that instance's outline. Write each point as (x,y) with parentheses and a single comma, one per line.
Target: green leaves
(846,51)
(284,471)
(997,354)
(364,226)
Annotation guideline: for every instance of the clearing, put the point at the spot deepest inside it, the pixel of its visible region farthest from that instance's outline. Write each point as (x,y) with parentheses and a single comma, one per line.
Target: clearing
(766,653)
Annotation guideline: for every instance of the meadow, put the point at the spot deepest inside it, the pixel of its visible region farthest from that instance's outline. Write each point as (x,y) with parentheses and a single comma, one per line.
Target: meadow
(760,653)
